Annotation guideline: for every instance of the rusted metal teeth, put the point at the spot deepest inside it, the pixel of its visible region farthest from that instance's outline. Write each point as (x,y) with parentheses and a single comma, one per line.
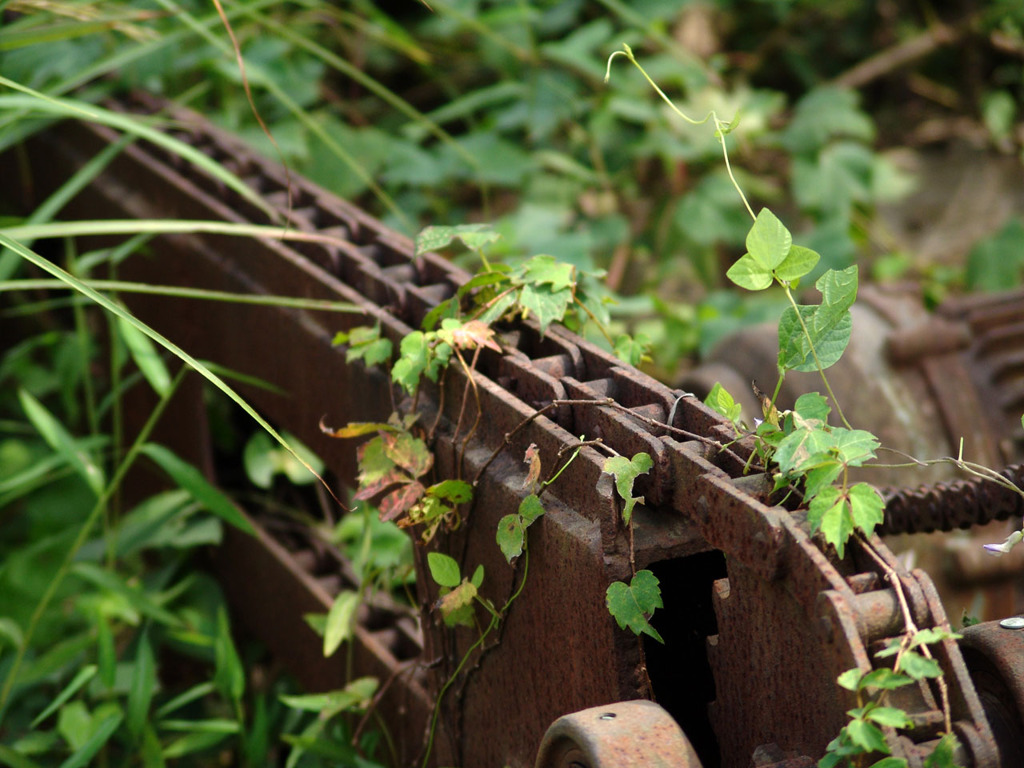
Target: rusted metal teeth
(958,504)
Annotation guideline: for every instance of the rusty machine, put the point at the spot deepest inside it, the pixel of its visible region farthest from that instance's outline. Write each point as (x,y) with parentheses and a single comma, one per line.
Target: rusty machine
(759,618)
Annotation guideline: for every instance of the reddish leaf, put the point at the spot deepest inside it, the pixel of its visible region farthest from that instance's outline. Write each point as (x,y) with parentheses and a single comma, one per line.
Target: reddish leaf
(532,457)
(399,501)
(408,452)
(472,335)
(382,483)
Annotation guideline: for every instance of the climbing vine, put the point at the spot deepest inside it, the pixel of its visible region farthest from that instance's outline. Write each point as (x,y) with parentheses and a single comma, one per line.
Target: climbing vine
(805,455)
(809,457)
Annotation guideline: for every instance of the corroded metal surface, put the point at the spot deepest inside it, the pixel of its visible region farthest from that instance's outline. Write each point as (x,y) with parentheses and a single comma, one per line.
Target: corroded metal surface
(994,654)
(627,734)
(784,622)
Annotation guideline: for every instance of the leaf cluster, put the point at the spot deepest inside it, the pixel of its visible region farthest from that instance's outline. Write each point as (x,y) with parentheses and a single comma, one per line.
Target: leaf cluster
(393,466)
(457,592)
(806,449)
(863,734)
(541,287)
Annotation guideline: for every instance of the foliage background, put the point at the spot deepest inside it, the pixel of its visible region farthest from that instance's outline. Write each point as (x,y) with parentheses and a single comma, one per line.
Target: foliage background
(473,110)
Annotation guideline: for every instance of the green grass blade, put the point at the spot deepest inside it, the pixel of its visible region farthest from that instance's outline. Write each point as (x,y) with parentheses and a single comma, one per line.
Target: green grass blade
(58,438)
(192,480)
(142,687)
(301,114)
(84,676)
(146,357)
(114,308)
(103,732)
(124,286)
(69,108)
(15,759)
(160,226)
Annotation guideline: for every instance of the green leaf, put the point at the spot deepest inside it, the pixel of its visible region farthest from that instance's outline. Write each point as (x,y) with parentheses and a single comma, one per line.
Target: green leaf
(625,471)
(456,606)
(146,357)
(142,687)
(747,273)
(813,406)
(510,536)
(229,674)
(546,303)
(74,724)
(355,695)
(823,114)
(720,401)
(888,716)
(209,725)
(452,491)
(917,666)
(994,263)
(929,636)
(768,242)
(828,325)
(191,742)
(543,269)
(365,344)
(867,736)
(632,605)
(478,576)
(263,459)
(867,507)
(84,676)
(100,735)
(633,349)
(855,446)
(133,594)
(444,569)
(14,759)
(414,357)
(850,679)
(799,262)
(944,753)
(60,440)
(828,512)
(884,679)
(893,762)
(340,623)
(473,236)
(192,480)
(530,509)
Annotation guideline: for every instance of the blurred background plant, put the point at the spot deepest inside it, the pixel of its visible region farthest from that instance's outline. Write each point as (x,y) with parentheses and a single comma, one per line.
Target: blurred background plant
(857,122)
(464,110)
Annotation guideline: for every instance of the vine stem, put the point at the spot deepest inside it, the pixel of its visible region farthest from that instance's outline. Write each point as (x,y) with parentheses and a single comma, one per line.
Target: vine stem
(608,402)
(911,628)
(817,362)
(970,467)
(721,128)
(496,617)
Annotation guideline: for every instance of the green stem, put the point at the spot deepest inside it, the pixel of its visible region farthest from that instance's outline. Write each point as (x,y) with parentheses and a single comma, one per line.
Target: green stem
(814,354)
(721,129)
(124,286)
(496,618)
(83,535)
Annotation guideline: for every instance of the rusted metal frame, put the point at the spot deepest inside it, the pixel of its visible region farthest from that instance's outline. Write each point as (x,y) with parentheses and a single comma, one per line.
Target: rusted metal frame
(713,484)
(577,477)
(769,543)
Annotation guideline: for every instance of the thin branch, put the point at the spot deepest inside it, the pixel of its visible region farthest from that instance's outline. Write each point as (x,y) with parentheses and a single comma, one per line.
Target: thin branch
(902,54)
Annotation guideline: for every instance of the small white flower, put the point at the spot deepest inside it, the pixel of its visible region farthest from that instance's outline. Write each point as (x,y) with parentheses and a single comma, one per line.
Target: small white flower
(1011,541)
